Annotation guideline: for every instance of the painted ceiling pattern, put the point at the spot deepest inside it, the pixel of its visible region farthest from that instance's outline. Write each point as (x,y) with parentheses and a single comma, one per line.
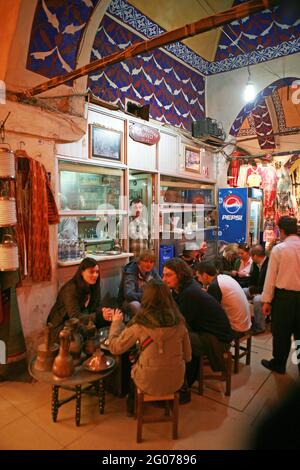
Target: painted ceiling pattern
(55,36)
(282,125)
(174,92)
(250,107)
(263,126)
(259,123)
(263,36)
(58,27)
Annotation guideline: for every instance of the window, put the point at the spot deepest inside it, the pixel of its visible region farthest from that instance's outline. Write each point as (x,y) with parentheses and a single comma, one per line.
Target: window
(91,207)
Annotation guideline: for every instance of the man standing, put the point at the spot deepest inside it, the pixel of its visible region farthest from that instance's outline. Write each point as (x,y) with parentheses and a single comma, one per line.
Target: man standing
(138,229)
(281,294)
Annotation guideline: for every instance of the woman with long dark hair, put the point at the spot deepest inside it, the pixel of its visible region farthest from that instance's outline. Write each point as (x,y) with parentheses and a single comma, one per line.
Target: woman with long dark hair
(160,330)
(79,297)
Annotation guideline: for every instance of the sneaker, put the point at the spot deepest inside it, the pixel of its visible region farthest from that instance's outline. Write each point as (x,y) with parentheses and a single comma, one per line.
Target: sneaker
(270,365)
(184,396)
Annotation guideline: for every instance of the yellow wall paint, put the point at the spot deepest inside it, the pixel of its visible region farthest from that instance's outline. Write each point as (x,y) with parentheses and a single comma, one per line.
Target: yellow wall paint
(9,12)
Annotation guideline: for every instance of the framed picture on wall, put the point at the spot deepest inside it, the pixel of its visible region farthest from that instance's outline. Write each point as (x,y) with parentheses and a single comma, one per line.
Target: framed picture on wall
(105,143)
(192,159)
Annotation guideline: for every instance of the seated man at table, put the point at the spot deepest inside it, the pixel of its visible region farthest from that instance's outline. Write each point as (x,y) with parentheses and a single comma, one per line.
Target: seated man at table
(254,291)
(135,275)
(229,293)
(209,327)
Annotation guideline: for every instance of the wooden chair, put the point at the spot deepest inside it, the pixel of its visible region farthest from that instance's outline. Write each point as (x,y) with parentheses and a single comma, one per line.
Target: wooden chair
(241,350)
(227,376)
(142,398)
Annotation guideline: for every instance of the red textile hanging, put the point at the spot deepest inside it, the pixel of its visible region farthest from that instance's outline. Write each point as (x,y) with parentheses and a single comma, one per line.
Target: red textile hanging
(36,208)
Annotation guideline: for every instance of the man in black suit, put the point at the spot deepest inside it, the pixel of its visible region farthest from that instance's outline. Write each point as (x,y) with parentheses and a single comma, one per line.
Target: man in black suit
(257,281)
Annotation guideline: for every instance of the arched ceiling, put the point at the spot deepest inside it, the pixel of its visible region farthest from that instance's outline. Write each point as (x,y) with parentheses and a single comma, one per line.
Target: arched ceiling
(274,120)
(59,30)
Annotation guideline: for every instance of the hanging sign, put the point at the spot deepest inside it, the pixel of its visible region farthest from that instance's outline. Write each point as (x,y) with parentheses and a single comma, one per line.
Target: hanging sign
(144,134)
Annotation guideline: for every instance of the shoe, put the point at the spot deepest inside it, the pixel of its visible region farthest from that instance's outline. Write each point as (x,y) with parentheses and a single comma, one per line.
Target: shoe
(270,365)
(184,396)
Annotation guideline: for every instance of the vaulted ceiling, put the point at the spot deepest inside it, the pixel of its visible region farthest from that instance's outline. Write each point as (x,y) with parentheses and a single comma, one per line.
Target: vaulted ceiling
(59,28)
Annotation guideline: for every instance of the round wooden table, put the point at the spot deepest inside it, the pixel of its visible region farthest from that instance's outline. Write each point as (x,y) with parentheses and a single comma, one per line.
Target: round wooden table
(82,381)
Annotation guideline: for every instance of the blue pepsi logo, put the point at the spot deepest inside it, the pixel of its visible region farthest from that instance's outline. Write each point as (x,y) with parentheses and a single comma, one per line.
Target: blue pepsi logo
(232,203)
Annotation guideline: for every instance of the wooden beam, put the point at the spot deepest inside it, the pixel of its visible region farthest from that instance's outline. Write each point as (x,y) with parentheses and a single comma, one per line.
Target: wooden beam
(205,24)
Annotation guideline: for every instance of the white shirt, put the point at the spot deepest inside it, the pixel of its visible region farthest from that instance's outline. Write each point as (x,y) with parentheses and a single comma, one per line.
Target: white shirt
(245,268)
(235,303)
(284,268)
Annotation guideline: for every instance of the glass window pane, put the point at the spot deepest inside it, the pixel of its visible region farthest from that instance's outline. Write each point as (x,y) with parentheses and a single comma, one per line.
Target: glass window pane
(88,191)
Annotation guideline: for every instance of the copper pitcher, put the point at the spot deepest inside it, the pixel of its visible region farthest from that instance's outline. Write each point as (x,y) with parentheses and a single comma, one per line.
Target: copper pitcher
(63,365)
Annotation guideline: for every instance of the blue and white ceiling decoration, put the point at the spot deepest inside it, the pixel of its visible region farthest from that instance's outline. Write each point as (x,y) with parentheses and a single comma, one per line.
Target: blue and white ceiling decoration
(258,38)
(175,92)
(55,35)
(172,83)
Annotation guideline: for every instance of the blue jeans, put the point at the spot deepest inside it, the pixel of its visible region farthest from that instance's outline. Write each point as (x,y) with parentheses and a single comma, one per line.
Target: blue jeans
(259,321)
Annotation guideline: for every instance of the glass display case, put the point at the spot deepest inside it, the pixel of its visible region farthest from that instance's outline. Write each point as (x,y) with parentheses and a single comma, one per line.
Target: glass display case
(187,214)
(91,211)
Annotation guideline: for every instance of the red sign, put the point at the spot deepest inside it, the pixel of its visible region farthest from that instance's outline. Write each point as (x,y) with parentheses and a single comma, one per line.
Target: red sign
(144,134)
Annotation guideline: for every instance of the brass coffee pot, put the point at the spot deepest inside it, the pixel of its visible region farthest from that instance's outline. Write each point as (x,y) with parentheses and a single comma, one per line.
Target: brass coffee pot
(46,355)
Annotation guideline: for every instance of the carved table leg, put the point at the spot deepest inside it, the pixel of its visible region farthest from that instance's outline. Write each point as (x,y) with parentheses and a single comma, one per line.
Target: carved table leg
(101,396)
(78,404)
(54,402)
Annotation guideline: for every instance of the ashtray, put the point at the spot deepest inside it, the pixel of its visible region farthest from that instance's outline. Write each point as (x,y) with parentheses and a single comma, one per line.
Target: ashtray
(98,362)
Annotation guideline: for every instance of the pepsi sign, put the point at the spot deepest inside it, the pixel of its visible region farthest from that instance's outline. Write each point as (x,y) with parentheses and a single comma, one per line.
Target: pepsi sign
(232,204)
(232,214)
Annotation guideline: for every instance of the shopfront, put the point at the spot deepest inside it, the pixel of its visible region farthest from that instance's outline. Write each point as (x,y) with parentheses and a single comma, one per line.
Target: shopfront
(172,178)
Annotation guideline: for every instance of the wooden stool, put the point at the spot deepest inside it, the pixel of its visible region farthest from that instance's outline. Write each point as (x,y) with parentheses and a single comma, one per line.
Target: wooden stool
(142,398)
(241,350)
(228,361)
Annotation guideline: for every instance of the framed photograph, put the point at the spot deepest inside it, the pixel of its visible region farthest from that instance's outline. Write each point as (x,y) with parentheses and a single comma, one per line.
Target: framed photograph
(192,159)
(105,143)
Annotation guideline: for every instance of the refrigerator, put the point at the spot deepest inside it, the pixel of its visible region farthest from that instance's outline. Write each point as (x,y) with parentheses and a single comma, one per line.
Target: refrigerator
(240,215)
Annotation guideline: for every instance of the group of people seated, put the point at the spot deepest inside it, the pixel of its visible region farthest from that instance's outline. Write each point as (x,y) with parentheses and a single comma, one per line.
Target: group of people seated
(193,309)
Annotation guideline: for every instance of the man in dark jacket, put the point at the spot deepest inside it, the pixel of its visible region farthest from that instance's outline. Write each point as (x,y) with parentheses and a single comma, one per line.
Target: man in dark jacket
(210,330)
(257,280)
(135,275)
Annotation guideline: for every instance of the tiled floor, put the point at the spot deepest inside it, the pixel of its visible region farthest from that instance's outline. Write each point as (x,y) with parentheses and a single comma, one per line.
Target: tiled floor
(211,421)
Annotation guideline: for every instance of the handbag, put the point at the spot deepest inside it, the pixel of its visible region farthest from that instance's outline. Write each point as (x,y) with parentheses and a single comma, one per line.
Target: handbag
(135,351)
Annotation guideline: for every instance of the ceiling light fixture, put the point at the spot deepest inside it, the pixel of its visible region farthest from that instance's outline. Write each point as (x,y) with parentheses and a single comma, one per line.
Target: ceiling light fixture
(249,92)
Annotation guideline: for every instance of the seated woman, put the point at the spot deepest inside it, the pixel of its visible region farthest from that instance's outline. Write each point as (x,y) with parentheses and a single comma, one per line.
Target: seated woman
(135,276)
(243,266)
(164,342)
(78,298)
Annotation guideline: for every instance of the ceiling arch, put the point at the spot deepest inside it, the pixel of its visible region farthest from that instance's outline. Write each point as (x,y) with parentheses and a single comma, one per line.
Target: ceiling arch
(271,119)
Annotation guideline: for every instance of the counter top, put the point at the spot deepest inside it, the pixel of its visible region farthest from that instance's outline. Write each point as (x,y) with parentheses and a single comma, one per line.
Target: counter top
(95,257)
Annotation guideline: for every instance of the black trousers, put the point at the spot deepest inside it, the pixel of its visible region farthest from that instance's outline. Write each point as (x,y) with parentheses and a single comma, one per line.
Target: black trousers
(285,323)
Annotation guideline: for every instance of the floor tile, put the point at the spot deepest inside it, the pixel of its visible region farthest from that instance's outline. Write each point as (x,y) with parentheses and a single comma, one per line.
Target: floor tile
(8,412)
(23,434)
(26,396)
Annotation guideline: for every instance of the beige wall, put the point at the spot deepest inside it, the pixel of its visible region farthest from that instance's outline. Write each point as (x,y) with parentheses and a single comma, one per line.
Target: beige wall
(9,16)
